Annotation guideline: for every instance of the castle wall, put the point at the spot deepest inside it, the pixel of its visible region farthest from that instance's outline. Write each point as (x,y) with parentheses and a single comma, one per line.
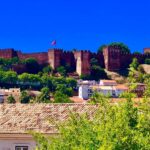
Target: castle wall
(99,57)
(69,58)
(7,53)
(112,58)
(42,57)
(126,59)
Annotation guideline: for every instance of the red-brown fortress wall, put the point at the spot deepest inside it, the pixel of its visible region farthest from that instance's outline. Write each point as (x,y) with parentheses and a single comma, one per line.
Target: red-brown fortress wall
(42,57)
(126,59)
(68,58)
(7,53)
(112,58)
(99,57)
(116,60)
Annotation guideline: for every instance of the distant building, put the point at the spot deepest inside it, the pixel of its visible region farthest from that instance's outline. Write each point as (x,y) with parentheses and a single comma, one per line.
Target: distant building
(5,93)
(107,87)
(84,91)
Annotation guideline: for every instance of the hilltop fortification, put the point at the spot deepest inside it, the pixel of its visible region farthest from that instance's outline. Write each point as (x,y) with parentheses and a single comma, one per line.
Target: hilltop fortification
(111,58)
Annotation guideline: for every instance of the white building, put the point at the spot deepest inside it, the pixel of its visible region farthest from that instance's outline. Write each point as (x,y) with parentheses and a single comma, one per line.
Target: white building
(84,90)
(107,87)
(5,93)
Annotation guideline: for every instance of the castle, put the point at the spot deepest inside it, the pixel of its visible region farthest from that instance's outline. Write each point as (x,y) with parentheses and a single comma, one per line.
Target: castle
(111,58)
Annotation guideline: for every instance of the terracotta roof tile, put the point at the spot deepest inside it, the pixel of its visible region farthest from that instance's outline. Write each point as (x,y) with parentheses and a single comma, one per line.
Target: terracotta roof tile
(19,118)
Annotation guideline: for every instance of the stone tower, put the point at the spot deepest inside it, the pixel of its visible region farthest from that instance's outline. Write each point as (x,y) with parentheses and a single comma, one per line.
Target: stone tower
(82,62)
(54,57)
(112,58)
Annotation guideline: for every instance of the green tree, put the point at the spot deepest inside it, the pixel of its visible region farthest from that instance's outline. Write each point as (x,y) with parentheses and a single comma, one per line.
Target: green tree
(85,77)
(11,99)
(29,78)
(107,127)
(98,73)
(100,49)
(2,61)
(134,64)
(44,97)
(47,82)
(32,65)
(25,97)
(71,82)
(65,90)
(10,77)
(60,97)
(99,98)
(62,71)
(124,48)
(47,69)
(15,60)
(147,61)
(133,73)
(2,74)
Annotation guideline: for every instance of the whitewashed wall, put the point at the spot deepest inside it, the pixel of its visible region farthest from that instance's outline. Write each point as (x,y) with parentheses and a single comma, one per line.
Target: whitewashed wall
(10,144)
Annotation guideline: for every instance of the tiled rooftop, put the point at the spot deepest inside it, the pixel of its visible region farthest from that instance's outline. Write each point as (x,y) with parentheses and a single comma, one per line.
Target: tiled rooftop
(20,118)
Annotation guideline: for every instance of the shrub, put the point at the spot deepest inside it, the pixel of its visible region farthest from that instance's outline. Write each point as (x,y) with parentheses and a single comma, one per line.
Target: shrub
(11,99)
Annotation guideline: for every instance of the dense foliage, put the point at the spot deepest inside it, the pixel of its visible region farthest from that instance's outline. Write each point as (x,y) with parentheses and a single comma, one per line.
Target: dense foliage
(111,127)
(124,48)
(147,61)
(62,71)
(100,49)
(125,126)
(97,72)
(44,97)
(25,97)
(60,97)
(10,79)
(11,99)
(136,73)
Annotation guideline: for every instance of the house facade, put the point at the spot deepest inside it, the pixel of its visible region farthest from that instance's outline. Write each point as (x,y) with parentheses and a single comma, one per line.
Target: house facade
(5,93)
(106,87)
(16,120)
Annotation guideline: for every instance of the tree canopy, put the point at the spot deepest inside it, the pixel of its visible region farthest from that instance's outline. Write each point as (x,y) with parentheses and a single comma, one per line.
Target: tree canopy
(112,127)
(124,48)
(60,97)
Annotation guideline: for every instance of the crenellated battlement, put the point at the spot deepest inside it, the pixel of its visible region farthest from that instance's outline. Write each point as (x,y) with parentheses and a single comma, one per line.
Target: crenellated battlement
(112,58)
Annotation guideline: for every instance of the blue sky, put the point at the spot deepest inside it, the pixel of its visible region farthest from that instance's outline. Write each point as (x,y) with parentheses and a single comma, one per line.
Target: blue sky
(31,25)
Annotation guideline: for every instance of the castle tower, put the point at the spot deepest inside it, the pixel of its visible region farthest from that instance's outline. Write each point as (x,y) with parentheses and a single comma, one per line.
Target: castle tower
(112,58)
(82,62)
(54,57)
